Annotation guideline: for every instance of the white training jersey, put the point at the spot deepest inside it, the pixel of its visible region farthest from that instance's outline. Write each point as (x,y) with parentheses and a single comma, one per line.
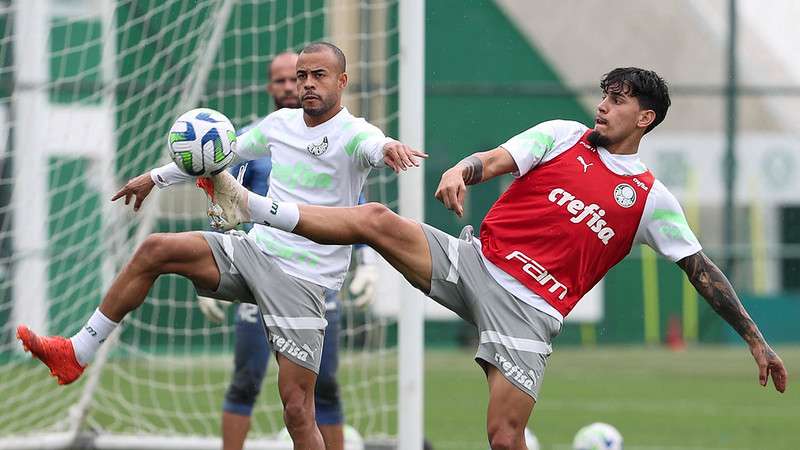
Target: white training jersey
(325,165)
(663,226)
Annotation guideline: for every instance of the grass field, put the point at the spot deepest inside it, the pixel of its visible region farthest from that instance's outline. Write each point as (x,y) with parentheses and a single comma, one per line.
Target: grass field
(704,398)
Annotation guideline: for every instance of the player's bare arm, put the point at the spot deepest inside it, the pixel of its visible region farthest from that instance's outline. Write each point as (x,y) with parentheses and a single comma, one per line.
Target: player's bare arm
(138,187)
(714,286)
(474,169)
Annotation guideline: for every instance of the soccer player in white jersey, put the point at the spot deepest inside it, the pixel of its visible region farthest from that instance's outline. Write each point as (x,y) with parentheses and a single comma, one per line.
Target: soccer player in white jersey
(252,351)
(322,155)
(580,200)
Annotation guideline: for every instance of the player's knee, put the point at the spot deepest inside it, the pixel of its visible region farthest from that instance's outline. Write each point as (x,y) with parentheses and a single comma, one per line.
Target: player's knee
(501,441)
(245,386)
(153,251)
(327,391)
(504,435)
(297,412)
(377,218)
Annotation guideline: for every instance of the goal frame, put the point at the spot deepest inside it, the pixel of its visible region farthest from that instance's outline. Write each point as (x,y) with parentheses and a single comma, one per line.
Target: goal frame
(411,97)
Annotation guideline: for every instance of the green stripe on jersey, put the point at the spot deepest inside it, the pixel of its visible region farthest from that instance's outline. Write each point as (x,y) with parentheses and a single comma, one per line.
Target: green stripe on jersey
(284,251)
(254,141)
(676,226)
(538,142)
(356,140)
(670,216)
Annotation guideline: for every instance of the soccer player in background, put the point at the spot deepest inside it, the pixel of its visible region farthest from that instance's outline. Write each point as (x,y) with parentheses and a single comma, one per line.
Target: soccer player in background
(581,199)
(321,154)
(252,350)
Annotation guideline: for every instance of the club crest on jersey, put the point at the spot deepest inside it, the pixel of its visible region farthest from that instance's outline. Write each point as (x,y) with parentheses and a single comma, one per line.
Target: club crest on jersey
(318,149)
(625,195)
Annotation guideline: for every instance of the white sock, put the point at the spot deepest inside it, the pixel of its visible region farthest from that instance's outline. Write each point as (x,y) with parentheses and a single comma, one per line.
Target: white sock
(86,341)
(266,211)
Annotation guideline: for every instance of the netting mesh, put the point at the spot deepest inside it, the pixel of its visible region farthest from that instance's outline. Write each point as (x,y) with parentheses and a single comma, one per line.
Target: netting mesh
(88,94)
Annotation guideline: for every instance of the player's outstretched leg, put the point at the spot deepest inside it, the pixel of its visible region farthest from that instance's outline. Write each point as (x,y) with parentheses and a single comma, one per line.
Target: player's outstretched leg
(399,240)
(508,413)
(186,254)
(296,388)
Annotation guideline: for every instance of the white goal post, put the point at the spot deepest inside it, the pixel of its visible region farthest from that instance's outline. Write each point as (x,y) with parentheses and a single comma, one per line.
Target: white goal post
(96,85)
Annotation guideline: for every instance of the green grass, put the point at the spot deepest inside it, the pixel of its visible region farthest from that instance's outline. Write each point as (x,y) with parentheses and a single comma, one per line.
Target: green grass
(703,398)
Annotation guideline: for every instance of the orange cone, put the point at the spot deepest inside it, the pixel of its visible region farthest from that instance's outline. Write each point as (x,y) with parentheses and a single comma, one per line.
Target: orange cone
(674,339)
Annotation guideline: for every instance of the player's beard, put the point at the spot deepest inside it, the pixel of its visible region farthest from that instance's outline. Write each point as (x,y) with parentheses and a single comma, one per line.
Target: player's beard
(327,103)
(597,139)
(287,101)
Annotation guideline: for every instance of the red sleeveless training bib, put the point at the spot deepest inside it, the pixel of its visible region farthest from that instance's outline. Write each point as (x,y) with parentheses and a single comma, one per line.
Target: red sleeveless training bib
(563,225)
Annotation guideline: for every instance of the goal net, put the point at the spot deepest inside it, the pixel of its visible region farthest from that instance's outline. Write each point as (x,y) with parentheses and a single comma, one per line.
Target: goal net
(88,90)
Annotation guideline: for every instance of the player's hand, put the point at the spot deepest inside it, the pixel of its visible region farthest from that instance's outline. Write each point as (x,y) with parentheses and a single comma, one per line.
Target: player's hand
(211,308)
(362,286)
(399,156)
(451,190)
(138,187)
(769,364)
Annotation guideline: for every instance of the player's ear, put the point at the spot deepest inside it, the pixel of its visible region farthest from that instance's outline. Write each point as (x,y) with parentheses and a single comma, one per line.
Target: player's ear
(646,117)
(342,80)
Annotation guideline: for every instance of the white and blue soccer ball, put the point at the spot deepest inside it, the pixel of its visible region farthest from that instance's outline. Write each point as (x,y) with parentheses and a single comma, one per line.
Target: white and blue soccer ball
(202,142)
(597,436)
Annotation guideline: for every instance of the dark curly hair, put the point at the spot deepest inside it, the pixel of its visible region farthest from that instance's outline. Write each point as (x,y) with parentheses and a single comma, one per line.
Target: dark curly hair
(647,86)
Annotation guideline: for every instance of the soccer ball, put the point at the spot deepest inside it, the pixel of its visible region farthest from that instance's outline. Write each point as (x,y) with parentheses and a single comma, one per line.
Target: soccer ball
(597,436)
(202,142)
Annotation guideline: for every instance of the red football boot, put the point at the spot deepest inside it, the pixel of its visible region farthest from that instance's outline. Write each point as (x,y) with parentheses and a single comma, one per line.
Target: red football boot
(55,352)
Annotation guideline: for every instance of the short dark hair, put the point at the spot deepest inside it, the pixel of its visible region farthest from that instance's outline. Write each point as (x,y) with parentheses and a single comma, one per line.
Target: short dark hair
(647,86)
(322,46)
(269,66)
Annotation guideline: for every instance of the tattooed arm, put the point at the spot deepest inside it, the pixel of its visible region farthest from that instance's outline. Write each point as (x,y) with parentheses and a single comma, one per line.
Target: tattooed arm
(473,169)
(712,284)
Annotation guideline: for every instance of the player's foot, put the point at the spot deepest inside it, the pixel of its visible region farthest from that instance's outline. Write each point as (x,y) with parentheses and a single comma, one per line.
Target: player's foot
(55,352)
(228,201)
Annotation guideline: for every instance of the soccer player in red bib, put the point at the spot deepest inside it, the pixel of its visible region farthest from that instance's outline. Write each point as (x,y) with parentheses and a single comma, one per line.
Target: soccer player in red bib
(580,201)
